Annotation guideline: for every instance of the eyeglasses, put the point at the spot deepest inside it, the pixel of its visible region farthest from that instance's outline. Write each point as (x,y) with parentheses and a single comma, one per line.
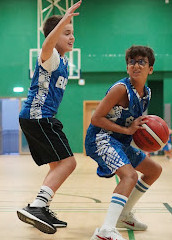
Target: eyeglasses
(141,62)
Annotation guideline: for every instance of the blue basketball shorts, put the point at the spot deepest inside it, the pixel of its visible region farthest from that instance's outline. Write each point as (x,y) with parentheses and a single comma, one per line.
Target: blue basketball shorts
(167,147)
(111,154)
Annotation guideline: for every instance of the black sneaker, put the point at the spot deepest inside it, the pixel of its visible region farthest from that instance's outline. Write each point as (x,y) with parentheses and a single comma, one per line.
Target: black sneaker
(55,221)
(38,217)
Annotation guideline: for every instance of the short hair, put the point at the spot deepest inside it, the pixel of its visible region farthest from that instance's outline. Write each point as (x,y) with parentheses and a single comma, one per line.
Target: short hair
(136,50)
(51,23)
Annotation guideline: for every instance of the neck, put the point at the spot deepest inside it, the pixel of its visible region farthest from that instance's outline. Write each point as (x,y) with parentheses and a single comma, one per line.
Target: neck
(139,86)
(62,53)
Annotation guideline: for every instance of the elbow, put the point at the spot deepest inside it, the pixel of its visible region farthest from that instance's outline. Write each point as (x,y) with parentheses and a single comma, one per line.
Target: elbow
(94,121)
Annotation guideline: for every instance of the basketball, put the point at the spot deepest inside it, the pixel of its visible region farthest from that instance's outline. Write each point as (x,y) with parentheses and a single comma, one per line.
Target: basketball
(154,136)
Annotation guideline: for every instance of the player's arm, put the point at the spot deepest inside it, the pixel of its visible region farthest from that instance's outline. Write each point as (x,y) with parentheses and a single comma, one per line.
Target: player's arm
(51,40)
(114,97)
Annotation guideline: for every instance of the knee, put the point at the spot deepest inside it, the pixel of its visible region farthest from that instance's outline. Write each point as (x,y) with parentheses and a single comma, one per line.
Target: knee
(157,170)
(134,177)
(131,178)
(72,164)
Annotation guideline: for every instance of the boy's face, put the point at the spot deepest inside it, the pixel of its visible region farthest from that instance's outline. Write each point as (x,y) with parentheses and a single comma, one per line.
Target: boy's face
(66,40)
(139,69)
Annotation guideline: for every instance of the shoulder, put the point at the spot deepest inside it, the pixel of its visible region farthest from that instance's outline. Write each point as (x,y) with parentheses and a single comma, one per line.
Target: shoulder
(52,63)
(118,87)
(116,93)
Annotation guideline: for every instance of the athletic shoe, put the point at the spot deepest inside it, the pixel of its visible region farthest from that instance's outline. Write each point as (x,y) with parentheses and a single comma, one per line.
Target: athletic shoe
(106,234)
(54,220)
(130,222)
(38,217)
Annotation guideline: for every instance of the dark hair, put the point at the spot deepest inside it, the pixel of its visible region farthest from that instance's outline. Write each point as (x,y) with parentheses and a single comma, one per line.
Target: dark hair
(50,24)
(143,51)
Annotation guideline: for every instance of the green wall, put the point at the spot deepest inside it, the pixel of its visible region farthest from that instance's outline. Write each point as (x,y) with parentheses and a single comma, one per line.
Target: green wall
(106,29)
(103,31)
(17,36)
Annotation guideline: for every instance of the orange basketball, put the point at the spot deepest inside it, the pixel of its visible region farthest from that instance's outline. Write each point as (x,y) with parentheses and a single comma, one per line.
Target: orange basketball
(154,136)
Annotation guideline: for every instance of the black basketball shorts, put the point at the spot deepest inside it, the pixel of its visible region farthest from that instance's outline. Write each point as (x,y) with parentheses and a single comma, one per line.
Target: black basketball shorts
(47,142)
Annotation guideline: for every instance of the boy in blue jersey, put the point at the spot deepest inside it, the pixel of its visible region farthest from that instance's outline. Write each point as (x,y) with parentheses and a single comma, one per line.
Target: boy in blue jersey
(108,139)
(47,142)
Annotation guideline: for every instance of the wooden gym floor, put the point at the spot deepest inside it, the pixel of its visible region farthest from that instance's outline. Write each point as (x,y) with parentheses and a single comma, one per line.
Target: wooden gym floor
(81,201)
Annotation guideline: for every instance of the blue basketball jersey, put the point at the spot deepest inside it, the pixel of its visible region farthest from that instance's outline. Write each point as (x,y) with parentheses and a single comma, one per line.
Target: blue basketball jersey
(125,116)
(46,91)
(112,150)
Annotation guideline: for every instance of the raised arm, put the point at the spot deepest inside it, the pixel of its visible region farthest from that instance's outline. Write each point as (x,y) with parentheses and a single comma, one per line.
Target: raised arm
(51,40)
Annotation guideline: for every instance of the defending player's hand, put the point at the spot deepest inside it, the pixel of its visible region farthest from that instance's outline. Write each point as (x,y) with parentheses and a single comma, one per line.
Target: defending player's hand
(71,12)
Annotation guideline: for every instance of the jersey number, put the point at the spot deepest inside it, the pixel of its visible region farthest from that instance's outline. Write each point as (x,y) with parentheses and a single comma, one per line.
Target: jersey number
(61,82)
(128,121)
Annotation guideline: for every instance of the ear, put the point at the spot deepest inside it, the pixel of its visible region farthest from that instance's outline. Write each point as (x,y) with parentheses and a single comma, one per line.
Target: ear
(127,68)
(150,70)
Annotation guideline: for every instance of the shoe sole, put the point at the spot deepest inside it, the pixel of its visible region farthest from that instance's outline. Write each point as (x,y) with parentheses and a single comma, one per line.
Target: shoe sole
(94,235)
(59,226)
(122,225)
(94,238)
(44,227)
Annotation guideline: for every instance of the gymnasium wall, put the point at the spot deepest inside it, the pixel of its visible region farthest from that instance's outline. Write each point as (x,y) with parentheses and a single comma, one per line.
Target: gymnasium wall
(103,31)
(107,28)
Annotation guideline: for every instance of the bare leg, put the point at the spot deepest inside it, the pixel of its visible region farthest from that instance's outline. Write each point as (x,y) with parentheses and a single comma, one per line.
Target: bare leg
(168,154)
(151,170)
(128,178)
(45,221)
(59,172)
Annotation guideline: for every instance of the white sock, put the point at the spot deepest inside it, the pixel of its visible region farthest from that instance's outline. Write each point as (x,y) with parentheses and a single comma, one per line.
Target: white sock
(140,188)
(115,208)
(43,198)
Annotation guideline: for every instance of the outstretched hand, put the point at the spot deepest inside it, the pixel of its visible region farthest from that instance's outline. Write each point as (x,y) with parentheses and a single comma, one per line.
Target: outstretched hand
(71,12)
